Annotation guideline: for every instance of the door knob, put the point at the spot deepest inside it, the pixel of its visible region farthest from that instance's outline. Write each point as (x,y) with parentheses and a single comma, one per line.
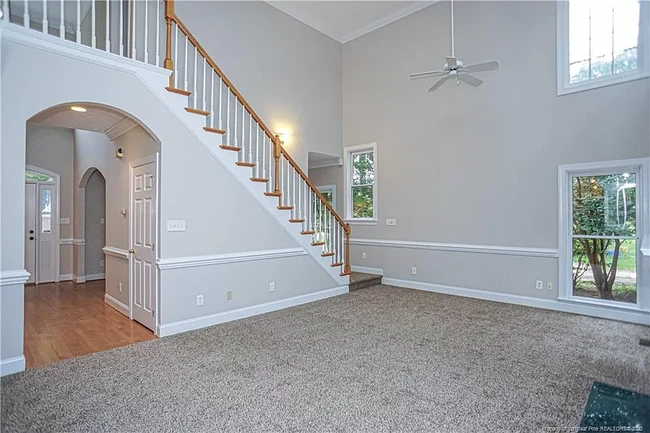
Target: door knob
(132,251)
(31,238)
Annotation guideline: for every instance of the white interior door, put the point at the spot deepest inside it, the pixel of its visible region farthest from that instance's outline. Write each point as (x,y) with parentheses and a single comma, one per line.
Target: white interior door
(30,231)
(143,239)
(46,236)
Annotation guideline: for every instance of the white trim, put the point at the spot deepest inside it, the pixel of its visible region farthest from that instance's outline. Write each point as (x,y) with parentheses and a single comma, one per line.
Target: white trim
(65,277)
(219,259)
(328,188)
(119,306)
(74,50)
(116,252)
(562,52)
(347,184)
(325,28)
(241,313)
(120,128)
(18,276)
(461,248)
(641,167)
(95,277)
(626,315)
(78,280)
(334,162)
(12,365)
(65,241)
(367,270)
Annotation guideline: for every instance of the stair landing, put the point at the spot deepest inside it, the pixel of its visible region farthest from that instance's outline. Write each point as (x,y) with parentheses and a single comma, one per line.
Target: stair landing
(359,280)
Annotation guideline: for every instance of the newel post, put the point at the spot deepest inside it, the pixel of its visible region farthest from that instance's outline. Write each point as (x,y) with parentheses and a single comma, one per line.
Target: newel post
(169,63)
(277,145)
(347,269)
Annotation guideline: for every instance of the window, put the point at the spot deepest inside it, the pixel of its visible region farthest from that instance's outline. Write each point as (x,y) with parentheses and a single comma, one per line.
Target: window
(601,42)
(601,218)
(361,184)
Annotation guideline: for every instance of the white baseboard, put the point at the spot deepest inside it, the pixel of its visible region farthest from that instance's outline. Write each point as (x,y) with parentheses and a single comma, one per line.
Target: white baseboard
(94,277)
(241,313)
(122,308)
(625,315)
(78,280)
(65,277)
(367,270)
(12,365)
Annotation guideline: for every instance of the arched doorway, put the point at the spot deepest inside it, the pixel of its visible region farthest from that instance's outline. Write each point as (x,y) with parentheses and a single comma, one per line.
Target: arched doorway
(104,292)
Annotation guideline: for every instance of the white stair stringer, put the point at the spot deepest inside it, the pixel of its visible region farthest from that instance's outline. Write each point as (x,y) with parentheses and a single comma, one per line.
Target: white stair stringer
(176,103)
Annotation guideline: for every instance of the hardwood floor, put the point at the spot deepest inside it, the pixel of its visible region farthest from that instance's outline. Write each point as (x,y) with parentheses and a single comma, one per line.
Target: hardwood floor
(65,320)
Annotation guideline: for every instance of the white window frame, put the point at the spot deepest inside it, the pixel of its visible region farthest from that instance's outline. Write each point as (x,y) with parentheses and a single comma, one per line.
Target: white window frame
(564,86)
(329,188)
(347,164)
(565,174)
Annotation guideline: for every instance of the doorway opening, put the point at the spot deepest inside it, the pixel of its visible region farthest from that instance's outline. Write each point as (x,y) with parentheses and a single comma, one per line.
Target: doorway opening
(91,230)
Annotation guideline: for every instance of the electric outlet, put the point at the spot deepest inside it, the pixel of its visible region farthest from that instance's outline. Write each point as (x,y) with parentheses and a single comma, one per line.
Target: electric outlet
(199,300)
(271,287)
(549,286)
(228,295)
(414,270)
(539,285)
(101,220)
(102,263)
(363,256)
(119,287)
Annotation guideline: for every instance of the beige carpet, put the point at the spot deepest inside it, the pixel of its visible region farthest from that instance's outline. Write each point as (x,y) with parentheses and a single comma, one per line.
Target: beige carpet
(379,359)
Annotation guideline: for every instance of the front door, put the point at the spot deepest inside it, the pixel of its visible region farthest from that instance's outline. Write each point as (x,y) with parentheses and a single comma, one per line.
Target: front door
(143,239)
(47,242)
(30,231)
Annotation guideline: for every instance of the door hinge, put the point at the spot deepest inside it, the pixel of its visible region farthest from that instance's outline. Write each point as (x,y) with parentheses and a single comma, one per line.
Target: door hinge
(153,246)
(153,313)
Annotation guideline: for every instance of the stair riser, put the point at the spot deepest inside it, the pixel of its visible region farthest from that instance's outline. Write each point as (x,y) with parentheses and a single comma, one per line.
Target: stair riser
(364,284)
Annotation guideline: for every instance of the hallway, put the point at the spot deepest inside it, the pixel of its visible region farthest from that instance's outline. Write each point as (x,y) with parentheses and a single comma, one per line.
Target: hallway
(65,320)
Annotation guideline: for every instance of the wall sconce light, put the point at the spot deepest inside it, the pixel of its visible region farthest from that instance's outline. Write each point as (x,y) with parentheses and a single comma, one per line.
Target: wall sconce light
(119,153)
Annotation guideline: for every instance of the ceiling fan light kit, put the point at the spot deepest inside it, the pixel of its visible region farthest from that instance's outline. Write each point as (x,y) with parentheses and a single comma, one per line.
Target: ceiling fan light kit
(454,69)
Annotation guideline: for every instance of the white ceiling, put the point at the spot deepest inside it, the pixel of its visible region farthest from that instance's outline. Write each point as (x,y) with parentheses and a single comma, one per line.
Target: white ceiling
(344,21)
(96,118)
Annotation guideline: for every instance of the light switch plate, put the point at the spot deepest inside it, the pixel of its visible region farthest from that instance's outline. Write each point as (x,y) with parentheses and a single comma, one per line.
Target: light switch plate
(175,225)
(391,222)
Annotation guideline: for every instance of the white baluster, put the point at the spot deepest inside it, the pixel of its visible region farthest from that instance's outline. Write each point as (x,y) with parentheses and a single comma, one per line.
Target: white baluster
(133,31)
(234,127)
(176,56)
(220,87)
(300,204)
(243,142)
(204,92)
(263,156)
(62,21)
(250,138)
(26,21)
(212,98)
(158,33)
(92,16)
(5,10)
(228,131)
(44,22)
(185,71)
(121,26)
(79,21)
(108,26)
(195,97)
(146,31)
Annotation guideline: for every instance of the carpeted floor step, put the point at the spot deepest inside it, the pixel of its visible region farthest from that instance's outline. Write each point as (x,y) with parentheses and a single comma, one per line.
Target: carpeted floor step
(359,280)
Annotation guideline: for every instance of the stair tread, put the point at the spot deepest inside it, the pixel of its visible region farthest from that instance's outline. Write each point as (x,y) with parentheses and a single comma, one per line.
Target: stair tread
(317,244)
(337,264)
(307,232)
(296,220)
(178,91)
(214,130)
(196,111)
(225,147)
(285,207)
(245,164)
(361,277)
(330,254)
(273,194)
(259,179)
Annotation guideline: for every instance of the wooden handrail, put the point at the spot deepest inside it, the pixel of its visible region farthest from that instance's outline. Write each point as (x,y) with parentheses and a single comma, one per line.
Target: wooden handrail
(314,189)
(219,72)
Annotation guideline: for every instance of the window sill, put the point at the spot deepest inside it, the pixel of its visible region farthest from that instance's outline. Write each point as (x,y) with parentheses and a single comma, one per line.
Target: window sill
(602,82)
(362,222)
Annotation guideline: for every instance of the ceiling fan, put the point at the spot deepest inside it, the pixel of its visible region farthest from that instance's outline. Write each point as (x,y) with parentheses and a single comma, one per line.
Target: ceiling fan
(454,68)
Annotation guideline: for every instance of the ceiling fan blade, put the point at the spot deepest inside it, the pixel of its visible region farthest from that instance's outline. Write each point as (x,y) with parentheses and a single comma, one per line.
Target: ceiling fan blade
(452,62)
(480,67)
(439,83)
(427,74)
(469,79)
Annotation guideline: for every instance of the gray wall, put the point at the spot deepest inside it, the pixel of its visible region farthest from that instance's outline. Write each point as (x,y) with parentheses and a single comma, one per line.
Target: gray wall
(95,227)
(53,149)
(288,72)
(477,165)
(329,176)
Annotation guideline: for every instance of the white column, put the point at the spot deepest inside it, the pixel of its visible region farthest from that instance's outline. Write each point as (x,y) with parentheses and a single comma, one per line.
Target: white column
(146,31)
(44,23)
(26,21)
(108,26)
(121,27)
(158,33)
(92,22)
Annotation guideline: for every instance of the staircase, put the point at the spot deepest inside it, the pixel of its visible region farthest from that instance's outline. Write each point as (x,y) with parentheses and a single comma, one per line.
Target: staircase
(207,102)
